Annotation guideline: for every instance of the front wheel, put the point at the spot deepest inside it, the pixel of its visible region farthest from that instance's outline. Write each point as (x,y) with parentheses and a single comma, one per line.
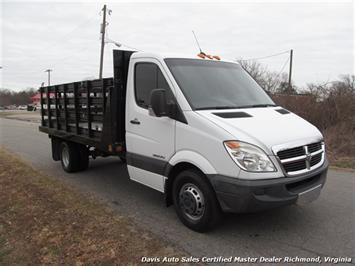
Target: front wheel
(195,201)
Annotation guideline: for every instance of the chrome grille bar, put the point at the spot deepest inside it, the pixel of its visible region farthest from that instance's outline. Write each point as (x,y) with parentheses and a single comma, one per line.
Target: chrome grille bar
(294,165)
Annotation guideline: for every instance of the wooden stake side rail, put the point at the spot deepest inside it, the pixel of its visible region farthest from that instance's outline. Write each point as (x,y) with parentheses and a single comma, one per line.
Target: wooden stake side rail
(76,110)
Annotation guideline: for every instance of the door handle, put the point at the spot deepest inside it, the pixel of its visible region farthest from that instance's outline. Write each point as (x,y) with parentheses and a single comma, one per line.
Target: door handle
(135,121)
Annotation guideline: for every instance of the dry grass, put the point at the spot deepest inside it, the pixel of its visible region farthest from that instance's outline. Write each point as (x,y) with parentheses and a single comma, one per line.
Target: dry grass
(6,113)
(345,163)
(42,221)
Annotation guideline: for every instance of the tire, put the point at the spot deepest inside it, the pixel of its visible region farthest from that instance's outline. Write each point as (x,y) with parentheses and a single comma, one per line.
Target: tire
(195,201)
(84,157)
(70,157)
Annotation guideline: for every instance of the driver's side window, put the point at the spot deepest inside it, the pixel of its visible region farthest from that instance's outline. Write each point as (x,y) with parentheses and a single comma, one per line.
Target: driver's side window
(148,77)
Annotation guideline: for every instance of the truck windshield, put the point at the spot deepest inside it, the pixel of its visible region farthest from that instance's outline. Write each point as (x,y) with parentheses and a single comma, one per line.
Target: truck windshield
(217,85)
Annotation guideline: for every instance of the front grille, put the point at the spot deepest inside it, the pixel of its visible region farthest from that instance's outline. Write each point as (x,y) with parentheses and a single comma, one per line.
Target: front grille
(294,152)
(302,158)
(314,147)
(295,166)
(316,159)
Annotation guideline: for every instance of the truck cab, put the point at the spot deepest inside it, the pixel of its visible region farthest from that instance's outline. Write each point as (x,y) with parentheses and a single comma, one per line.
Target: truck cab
(211,119)
(204,133)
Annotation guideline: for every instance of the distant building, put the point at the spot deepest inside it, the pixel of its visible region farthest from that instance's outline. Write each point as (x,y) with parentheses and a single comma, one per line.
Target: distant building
(36,99)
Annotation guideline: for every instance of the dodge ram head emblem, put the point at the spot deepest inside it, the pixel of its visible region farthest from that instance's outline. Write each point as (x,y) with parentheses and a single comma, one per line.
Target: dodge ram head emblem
(308,159)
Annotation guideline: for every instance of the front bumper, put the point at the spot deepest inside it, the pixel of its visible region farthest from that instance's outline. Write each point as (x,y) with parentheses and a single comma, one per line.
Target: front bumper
(239,195)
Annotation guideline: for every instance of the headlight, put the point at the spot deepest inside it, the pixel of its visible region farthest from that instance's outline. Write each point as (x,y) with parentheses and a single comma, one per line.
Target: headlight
(249,157)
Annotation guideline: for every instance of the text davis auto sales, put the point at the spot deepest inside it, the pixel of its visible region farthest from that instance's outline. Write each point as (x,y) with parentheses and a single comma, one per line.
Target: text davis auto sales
(231,259)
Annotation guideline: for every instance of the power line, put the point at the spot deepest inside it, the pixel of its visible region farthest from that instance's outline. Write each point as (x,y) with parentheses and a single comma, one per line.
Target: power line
(74,29)
(62,61)
(263,57)
(52,27)
(283,67)
(72,56)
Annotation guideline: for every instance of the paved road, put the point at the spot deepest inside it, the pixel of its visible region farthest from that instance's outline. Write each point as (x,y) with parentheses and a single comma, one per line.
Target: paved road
(323,228)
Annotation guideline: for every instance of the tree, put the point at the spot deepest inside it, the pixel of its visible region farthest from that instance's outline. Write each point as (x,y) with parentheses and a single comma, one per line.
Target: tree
(270,81)
(22,97)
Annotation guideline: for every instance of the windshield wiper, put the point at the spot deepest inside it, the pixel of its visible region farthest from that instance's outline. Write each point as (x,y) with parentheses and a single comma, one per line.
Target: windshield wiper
(217,107)
(236,107)
(257,105)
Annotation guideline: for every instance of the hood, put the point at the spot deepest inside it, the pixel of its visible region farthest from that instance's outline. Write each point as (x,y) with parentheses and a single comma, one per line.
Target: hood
(265,127)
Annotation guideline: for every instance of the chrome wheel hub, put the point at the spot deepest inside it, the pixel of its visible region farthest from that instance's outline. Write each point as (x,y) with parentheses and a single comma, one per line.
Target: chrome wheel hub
(191,201)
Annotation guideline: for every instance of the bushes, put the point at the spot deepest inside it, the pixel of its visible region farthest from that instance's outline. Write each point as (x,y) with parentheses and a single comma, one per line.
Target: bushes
(331,108)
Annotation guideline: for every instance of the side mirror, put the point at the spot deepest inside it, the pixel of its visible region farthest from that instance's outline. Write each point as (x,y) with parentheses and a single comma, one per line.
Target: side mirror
(158,102)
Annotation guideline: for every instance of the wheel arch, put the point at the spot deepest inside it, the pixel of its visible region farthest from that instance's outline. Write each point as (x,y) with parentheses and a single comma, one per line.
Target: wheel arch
(55,142)
(182,161)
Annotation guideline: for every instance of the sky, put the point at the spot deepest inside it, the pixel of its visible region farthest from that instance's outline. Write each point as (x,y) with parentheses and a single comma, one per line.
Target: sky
(65,37)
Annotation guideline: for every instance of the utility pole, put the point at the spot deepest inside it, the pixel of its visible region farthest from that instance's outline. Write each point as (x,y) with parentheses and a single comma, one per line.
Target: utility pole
(290,71)
(49,76)
(103,29)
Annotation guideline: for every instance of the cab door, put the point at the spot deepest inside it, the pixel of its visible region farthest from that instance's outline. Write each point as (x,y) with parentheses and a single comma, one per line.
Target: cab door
(150,140)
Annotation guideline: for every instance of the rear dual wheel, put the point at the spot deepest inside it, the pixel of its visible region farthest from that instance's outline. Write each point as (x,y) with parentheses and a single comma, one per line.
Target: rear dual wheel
(74,157)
